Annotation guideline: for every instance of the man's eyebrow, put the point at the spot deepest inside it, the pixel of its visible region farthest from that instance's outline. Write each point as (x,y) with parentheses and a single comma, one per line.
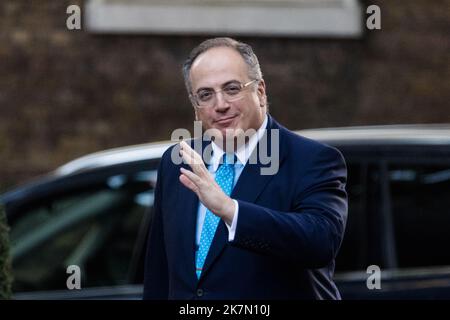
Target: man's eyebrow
(229,82)
(223,85)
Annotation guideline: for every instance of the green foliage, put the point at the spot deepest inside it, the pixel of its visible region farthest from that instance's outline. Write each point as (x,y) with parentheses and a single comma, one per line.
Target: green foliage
(5,260)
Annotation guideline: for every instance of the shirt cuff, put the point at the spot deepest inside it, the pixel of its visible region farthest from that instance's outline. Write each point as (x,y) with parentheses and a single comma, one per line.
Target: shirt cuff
(232,228)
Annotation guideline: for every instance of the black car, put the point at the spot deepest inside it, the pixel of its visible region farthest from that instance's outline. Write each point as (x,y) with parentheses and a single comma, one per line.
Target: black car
(94,213)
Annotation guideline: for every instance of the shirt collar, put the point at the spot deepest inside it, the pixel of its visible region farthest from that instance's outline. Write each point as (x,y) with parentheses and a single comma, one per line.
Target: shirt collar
(242,153)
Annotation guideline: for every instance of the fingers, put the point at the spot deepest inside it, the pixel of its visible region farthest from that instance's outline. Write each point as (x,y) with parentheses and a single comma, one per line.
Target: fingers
(199,178)
(188,183)
(192,158)
(191,176)
(189,154)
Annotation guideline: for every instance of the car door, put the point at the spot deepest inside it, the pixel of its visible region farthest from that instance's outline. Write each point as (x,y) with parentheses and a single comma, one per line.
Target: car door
(96,221)
(398,221)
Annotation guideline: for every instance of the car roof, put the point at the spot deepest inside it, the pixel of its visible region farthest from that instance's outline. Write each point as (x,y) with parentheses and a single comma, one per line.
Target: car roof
(141,152)
(425,134)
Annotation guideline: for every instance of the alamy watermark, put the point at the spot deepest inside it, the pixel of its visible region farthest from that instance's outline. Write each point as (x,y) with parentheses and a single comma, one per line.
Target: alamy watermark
(267,152)
(73,21)
(74,280)
(374,280)
(373,22)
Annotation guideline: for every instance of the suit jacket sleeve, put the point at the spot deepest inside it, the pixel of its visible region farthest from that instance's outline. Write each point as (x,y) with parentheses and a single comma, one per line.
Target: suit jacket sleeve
(311,232)
(156,281)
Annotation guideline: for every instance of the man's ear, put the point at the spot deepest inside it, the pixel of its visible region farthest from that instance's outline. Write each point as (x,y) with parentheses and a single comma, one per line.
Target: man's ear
(262,93)
(195,113)
(195,109)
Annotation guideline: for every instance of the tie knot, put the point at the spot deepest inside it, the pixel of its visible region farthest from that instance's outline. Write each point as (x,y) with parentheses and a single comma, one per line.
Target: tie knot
(229,158)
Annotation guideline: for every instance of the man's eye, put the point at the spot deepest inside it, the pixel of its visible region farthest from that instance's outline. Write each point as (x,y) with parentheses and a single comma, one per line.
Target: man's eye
(205,95)
(232,89)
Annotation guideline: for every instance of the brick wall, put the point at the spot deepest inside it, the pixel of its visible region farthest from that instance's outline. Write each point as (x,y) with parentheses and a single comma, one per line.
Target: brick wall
(66,93)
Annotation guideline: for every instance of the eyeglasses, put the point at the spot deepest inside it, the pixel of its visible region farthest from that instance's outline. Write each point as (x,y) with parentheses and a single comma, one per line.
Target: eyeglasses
(233,91)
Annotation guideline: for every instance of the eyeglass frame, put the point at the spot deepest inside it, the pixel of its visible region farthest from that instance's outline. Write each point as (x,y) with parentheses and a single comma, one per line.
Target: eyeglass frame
(194,97)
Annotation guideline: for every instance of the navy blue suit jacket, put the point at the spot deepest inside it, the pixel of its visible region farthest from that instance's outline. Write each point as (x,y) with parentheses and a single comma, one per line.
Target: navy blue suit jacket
(289,230)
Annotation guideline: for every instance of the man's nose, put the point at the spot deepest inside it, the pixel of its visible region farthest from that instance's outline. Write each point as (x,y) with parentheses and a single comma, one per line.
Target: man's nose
(221,103)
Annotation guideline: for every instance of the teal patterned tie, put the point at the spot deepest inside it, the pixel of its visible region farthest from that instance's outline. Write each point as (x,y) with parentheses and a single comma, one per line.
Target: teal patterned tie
(225,179)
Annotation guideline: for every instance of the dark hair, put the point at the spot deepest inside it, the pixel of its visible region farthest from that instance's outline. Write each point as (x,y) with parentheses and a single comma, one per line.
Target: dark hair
(246,51)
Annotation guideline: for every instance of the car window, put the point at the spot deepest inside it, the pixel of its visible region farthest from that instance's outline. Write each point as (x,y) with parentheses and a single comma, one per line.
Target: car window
(349,256)
(421,215)
(96,229)
(367,231)
(360,246)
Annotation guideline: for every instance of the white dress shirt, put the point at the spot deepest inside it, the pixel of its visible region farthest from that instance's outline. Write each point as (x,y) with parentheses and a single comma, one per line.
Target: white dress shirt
(242,154)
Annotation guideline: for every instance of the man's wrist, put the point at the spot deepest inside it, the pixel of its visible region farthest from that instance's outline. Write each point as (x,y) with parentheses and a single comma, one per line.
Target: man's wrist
(228,209)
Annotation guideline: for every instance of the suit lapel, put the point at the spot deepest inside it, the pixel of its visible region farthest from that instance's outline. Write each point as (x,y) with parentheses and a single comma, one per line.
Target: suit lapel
(188,206)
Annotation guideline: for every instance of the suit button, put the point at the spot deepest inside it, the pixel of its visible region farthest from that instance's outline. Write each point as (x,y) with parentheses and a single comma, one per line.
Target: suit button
(199,292)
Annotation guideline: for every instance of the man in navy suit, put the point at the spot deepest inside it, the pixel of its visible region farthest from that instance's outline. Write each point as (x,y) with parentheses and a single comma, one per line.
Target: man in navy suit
(276,234)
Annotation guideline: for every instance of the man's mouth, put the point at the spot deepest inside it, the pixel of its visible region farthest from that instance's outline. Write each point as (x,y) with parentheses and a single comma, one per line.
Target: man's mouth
(225,121)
